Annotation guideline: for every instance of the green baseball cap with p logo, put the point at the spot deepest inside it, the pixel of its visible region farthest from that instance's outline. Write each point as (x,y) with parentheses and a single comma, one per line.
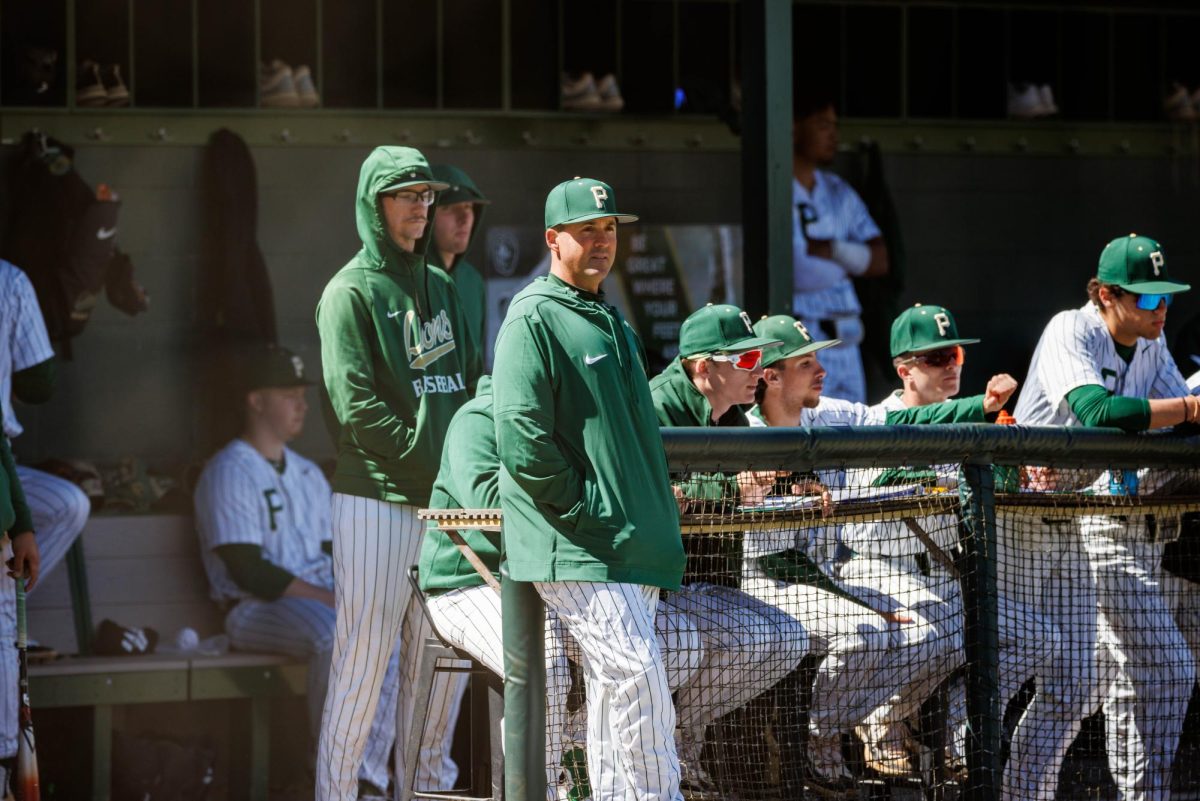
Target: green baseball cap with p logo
(1136,263)
(794,339)
(923,328)
(582,199)
(719,329)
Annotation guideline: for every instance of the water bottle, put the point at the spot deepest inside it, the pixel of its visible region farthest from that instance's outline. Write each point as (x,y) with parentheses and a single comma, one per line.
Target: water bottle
(1007,477)
(1123,481)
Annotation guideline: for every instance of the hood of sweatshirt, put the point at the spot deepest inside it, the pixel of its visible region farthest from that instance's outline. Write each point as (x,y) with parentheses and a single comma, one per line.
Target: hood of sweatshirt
(461,189)
(387,169)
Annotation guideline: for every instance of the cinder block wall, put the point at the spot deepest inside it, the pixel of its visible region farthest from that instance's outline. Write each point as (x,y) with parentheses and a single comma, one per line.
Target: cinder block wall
(1003,241)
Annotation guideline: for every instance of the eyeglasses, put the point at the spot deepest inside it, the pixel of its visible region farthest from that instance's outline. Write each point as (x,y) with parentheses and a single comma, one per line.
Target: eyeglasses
(943,357)
(425,198)
(746,360)
(1150,302)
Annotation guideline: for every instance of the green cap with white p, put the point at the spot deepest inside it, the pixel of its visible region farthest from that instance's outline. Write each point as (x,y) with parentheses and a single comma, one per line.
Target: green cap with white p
(580,200)
(1137,264)
(923,328)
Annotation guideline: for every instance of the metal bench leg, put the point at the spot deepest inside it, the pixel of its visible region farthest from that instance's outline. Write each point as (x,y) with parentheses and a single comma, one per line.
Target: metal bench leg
(101,752)
(260,747)
(430,652)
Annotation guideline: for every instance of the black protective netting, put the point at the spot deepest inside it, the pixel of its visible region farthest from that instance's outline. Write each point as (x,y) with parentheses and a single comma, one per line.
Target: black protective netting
(853,629)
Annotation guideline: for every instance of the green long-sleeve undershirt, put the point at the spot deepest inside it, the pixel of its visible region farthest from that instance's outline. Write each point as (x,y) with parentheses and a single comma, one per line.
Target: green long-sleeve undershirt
(1096,406)
(253,573)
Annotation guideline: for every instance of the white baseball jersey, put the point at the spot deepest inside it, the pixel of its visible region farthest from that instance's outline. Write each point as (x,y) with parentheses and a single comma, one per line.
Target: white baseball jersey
(1076,350)
(23,338)
(823,287)
(242,498)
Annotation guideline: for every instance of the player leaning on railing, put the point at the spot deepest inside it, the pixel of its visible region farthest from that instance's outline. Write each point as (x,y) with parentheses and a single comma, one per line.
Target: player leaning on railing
(1107,364)
(849,686)
(928,354)
(749,646)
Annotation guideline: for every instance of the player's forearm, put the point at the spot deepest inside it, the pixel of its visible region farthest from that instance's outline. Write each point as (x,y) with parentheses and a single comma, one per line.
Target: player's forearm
(299,588)
(23,519)
(252,572)
(1095,407)
(528,453)
(959,410)
(1174,411)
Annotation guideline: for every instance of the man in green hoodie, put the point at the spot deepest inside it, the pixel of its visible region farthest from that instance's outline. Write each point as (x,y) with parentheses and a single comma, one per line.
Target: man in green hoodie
(459,214)
(398,362)
(588,512)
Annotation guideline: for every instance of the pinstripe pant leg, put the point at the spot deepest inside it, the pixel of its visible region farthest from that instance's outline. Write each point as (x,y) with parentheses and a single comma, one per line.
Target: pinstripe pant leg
(470,619)
(374,544)
(60,511)
(629,703)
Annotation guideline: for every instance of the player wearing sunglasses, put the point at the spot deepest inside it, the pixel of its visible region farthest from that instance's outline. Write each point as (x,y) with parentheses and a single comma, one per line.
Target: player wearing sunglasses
(1107,364)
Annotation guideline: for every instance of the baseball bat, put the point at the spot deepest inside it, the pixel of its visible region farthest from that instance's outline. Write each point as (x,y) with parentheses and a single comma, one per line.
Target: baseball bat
(26,781)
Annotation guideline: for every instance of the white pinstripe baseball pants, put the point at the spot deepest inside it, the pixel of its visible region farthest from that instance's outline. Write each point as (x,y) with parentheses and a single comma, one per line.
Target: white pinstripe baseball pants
(374,544)
(303,627)
(629,701)
(1099,577)
(60,511)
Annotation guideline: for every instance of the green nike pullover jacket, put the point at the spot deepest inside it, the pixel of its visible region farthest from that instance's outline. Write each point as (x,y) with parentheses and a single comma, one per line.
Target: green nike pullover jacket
(468,479)
(395,353)
(583,480)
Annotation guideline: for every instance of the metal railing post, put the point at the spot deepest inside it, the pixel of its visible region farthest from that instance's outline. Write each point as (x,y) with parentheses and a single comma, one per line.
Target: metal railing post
(981,631)
(524,617)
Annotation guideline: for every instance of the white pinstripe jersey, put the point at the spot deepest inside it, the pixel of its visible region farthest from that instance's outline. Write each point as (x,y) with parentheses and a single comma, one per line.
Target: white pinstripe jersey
(242,498)
(23,338)
(823,288)
(1076,350)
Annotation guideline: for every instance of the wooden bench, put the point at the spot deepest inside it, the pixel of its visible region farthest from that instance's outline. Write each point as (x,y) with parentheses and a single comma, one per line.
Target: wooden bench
(146,571)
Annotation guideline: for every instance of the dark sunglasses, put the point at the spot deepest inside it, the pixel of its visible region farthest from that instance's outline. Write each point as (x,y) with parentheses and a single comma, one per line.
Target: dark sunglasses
(944,357)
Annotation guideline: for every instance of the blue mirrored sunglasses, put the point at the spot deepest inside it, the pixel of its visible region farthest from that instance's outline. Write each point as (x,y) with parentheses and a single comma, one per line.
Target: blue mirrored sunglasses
(1150,302)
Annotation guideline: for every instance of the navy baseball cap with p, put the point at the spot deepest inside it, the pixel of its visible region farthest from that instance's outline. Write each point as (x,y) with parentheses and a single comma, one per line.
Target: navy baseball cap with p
(924,328)
(1137,264)
(580,200)
(272,367)
(719,329)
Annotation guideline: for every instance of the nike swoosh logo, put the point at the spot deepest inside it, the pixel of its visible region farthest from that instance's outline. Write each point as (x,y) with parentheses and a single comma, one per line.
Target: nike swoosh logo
(394,314)
(106,233)
(590,360)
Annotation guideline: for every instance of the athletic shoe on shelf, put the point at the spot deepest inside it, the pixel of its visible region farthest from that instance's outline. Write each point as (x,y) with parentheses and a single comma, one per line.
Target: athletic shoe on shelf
(306,90)
(1195,104)
(278,86)
(117,92)
(886,747)
(580,94)
(1177,105)
(610,94)
(89,88)
(1026,104)
(1049,107)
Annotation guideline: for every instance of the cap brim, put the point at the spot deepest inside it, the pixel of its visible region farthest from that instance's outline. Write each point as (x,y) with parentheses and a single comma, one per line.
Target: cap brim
(803,350)
(1156,287)
(945,343)
(750,343)
(303,382)
(436,186)
(452,196)
(621,218)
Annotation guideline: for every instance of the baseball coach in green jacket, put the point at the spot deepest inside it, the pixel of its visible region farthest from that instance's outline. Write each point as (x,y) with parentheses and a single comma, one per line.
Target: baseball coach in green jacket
(398,362)
(588,511)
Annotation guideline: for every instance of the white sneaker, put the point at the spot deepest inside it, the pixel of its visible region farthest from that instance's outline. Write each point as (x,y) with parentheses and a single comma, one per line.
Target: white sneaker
(278,86)
(118,92)
(610,93)
(1026,104)
(1047,97)
(1195,104)
(580,94)
(89,89)
(306,90)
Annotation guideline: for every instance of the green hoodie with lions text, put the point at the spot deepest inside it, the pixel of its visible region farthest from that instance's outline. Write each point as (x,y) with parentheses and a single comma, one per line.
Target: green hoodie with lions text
(395,352)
